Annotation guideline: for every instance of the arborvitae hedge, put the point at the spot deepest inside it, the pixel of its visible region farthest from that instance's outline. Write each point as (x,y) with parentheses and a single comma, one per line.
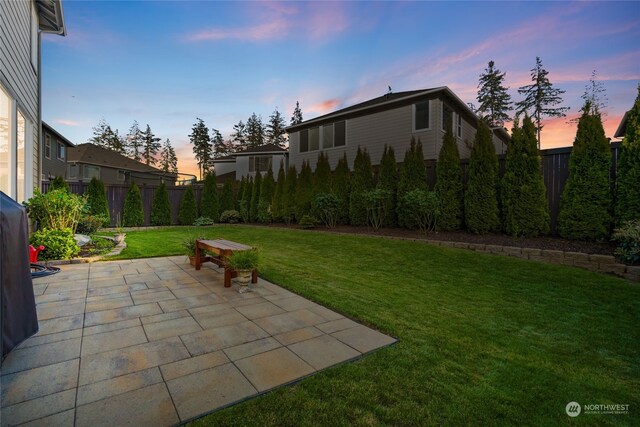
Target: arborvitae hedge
(266,196)
(277,203)
(245,200)
(58,183)
(240,193)
(304,191)
(97,201)
(481,198)
(133,212)
(161,208)
(322,175)
(228,197)
(388,181)
(255,197)
(586,198)
(289,196)
(524,200)
(188,211)
(449,184)
(341,187)
(209,204)
(627,205)
(412,176)
(361,182)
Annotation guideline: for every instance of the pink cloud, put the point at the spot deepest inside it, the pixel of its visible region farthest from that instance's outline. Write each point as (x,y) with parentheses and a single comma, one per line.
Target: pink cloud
(276,29)
(67,122)
(325,106)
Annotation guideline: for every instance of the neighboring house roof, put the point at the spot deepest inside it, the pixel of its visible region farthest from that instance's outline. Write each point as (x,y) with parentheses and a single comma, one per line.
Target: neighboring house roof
(622,128)
(262,149)
(94,155)
(224,159)
(51,17)
(49,129)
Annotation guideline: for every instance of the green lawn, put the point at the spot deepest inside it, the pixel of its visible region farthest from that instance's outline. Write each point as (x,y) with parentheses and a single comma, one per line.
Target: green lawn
(483,339)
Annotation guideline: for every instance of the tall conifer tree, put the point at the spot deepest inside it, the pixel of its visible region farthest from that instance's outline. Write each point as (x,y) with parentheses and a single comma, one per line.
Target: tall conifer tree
(209,204)
(150,146)
(627,205)
(289,197)
(200,140)
(388,181)
(304,191)
(297,115)
(361,182)
(341,187)
(255,197)
(449,183)
(493,97)
(277,205)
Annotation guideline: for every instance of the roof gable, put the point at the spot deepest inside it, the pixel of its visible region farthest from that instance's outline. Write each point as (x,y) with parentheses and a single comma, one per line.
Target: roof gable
(92,154)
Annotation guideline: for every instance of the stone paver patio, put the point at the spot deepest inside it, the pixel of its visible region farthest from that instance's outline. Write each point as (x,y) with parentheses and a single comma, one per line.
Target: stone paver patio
(154,342)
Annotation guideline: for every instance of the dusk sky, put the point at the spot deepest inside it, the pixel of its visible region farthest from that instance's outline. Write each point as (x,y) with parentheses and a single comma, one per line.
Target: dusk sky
(164,63)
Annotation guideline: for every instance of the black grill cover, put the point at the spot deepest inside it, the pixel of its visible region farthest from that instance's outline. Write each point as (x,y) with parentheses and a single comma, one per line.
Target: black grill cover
(18,318)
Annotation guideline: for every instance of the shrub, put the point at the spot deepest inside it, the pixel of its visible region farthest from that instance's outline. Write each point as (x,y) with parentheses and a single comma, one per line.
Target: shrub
(243,260)
(421,208)
(307,222)
(203,220)
(277,203)
(228,197)
(586,198)
(255,197)
(628,238)
(245,200)
(449,183)
(481,197)
(304,191)
(133,213)
(341,187)
(161,207)
(56,210)
(264,214)
(328,208)
(209,204)
(58,244)
(361,182)
(189,245)
(524,200)
(231,216)
(89,224)
(627,205)
(388,181)
(97,204)
(58,183)
(377,207)
(289,198)
(188,209)
(412,176)
(322,175)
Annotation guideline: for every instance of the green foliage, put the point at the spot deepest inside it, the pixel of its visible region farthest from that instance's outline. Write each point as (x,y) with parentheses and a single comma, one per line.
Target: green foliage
(524,200)
(243,260)
(493,97)
(58,244)
(97,204)
(481,198)
(449,183)
(361,182)
(289,196)
(422,209)
(231,217)
(89,224)
(341,187)
(277,203)
(161,207)
(266,195)
(188,211)
(307,221)
(202,149)
(56,210)
(322,175)
(388,180)
(58,183)
(328,208)
(209,204)
(586,198)
(377,202)
(240,193)
(255,197)
(413,176)
(627,205)
(628,238)
(304,191)
(202,221)
(189,245)
(245,202)
(227,198)
(133,212)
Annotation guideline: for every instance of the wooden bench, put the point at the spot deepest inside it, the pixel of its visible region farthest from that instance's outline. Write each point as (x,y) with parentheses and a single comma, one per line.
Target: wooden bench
(222,249)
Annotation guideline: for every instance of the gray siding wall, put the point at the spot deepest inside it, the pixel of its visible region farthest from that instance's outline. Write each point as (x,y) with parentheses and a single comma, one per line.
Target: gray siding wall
(109,176)
(53,166)
(242,166)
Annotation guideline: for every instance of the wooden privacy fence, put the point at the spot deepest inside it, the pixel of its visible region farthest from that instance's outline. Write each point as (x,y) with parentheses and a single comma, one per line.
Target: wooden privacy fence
(555,170)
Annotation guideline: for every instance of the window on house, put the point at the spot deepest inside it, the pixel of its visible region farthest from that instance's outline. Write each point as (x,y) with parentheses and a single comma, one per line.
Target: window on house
(304,141)
(73,171)
(47,146)
(60,150)
(259,163)
(421,115)
(91,172)
(121,175)
(21,164)
(314,139)
(34,37)
(339,131)
(327,136)
(5,141)
(459,126)
(447,117)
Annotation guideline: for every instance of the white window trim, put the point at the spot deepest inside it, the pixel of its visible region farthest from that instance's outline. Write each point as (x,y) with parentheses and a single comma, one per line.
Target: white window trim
(85,174)
(47,144)
(28,156)
(77,168)
(64,150)
(413,117)
(34,30)
(459,122)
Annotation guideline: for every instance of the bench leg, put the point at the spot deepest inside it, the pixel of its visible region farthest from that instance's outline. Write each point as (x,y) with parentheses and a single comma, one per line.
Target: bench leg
(227,277)
(254,276)
(198,260)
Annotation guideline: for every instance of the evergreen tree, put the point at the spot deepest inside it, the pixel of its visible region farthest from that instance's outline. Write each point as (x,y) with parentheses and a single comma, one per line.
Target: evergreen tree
(238,137)
(188,208)
(228,197)
(524,200)
(254,131)
(161,207)
(150,146)
(540,98)
(322,175)
(240,193)
(449,182)
(341,187)
(220,148)
(275,129)
(277,204)
(266,196)
(289,196)
(133,212)
(586,198)
(297,115)
(255,197)
(168,158)
(209,205)
(245,202)
(97,201)
(493,97)
(388,181)
(627,205)
(481,197)
(116,143)
(595,94)
(304,191)
(58,183)
(361,182)
(135,142)
(199,137)
(412,176)
(102,134)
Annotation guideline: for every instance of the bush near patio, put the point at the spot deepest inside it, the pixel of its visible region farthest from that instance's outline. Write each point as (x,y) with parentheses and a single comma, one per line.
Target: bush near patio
(188,208)
(133,212)
(97,204)
(58,243)
(161,208)
(56,210)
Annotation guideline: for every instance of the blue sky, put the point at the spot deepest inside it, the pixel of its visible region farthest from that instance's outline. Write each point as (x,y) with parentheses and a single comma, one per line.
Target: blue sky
(165,63)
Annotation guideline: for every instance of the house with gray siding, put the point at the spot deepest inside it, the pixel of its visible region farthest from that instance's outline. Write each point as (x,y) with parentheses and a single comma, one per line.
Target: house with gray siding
(54,153)
(21,26)
(392,119)
(246,163)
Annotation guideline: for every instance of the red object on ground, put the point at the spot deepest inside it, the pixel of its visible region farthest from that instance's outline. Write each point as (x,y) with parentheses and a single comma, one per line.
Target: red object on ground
(33,253)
